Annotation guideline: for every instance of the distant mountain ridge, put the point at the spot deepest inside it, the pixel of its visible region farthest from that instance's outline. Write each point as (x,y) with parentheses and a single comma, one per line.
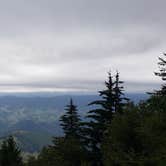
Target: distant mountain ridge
(39,115)
(16,111)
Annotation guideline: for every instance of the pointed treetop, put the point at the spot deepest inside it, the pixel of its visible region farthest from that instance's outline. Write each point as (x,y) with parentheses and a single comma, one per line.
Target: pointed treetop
(70,121)
(71,101)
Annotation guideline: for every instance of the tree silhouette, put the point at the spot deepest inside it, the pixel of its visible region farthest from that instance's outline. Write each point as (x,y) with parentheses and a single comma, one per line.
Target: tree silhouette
(162,74)
(112,101)
(70,121)
(10,154)
(119,99)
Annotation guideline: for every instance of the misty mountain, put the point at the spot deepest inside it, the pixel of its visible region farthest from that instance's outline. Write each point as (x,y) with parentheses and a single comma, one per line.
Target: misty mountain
(39,115)
(42,113)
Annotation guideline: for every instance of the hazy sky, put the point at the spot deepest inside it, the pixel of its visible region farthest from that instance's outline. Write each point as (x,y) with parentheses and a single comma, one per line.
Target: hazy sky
(69,45)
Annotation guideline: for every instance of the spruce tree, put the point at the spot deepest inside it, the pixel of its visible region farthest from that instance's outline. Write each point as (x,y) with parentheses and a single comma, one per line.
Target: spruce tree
(162,74)
(105,106)
(111,101)
(10,154)
(67,150)
(70,121)
(99,118)
(119,99)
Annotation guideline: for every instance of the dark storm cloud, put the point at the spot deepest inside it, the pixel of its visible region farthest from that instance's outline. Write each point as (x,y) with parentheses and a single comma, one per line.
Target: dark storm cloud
(72,44)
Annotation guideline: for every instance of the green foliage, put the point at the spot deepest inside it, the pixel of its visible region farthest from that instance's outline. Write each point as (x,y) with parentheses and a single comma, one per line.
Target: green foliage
(32,161)
(64,152)
(121,139)
(10,154)
(70,121)
(136,138)
(67,150)
(111,102)
(155,103)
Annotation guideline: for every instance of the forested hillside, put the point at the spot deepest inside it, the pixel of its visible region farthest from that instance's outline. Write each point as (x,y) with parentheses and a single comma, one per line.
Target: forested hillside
(39,115)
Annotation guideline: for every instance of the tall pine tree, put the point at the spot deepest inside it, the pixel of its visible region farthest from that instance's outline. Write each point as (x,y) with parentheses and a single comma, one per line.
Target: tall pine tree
(67,150)
(105,106)
(70,121)
(119,99)
(98,120)
(112,101)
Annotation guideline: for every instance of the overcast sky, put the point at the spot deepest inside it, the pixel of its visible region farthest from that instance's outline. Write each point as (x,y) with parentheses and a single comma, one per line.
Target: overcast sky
(70,45)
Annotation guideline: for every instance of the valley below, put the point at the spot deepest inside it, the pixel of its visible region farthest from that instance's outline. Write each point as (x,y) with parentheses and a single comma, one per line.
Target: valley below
(34,120)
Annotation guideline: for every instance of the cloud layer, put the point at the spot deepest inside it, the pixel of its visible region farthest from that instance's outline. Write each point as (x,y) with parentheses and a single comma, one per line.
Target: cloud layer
(59,45)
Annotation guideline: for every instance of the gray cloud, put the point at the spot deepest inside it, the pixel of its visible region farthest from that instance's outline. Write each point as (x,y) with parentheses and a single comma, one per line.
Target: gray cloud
(65,45)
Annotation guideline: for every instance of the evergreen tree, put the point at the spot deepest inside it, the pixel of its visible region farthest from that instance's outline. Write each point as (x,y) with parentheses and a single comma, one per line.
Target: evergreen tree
(67,150)
(136,138)
(70,121)
(112,101)
(62,152)
(105,106)
(99,118)
(119,95)
(10,154)
(33,161)
(103,114)
(162,74)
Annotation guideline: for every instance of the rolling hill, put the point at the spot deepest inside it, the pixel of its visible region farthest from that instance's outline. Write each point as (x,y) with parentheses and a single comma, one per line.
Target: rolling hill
(33,120)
